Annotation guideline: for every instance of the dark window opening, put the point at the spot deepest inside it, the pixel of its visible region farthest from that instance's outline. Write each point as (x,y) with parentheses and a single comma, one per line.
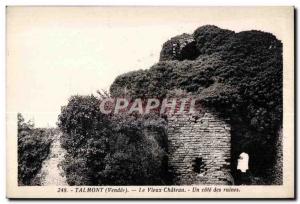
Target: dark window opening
(189,51)
(198,165)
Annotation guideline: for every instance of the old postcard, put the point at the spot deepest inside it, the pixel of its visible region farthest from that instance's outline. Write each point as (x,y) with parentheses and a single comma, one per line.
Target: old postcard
(150,102)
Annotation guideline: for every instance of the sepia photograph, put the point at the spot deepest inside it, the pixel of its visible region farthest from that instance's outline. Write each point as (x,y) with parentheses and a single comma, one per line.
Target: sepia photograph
(150,102)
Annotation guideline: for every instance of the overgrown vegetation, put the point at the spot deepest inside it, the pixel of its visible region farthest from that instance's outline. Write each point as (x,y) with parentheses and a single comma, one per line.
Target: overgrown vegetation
(111,150)
(33,149)
(238,74)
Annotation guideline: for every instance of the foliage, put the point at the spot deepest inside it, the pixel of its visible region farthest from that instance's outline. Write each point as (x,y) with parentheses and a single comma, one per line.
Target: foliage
(85,134)
(238,74)
(110,150)
(33,149)
(179,48)
(137,152)
(210,39)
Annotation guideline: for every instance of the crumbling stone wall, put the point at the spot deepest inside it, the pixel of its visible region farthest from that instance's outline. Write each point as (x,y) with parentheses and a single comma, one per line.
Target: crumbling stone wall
(199,149)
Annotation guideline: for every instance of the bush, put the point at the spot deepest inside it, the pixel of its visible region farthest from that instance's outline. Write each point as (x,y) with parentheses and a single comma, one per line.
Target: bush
(138,152)
(33,149)
(85,134)
(110,150)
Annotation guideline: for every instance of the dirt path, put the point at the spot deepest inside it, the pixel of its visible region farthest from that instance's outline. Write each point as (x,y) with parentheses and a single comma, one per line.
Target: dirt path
(51,173)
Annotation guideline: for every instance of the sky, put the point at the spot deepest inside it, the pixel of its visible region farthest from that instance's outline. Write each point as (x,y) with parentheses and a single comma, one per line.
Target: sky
(56,52)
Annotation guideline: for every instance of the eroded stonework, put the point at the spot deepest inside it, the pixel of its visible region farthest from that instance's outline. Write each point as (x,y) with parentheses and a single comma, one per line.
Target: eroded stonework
(199,149)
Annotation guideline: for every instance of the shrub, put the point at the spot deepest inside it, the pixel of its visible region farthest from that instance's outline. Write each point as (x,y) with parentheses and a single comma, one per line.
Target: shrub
(138,152)
(110,150)
(85,134)
(33,149)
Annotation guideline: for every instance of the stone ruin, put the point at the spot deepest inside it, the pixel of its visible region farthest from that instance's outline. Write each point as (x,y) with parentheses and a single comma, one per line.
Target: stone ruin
(199,149)
(199,145)
(180,47)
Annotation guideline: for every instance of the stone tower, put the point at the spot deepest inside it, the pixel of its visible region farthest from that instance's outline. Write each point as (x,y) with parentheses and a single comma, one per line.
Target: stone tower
(199,148)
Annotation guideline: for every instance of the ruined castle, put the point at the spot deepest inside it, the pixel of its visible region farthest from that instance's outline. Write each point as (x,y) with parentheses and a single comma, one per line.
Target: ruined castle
(199,149)
(200,146)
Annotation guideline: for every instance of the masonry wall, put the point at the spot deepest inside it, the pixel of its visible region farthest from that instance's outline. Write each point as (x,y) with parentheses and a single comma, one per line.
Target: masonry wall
(199,148)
